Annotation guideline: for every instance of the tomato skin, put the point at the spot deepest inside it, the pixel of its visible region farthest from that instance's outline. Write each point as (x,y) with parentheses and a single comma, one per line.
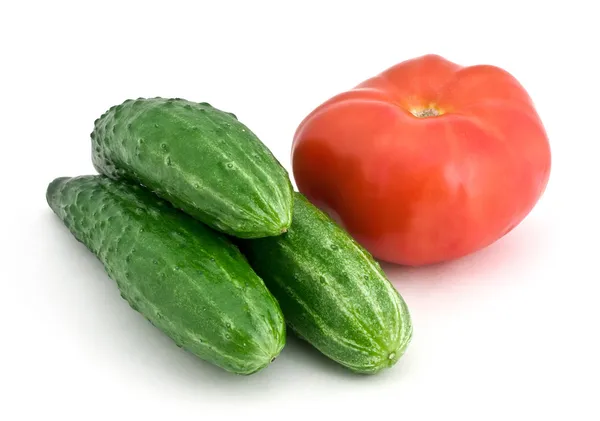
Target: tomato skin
(420,190)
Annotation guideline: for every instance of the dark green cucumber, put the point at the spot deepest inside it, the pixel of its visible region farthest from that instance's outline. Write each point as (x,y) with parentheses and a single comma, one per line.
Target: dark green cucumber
(332,292)
(201,159)
(186,279)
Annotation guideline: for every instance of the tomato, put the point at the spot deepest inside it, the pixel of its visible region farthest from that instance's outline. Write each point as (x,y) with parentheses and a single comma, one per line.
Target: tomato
(426,162)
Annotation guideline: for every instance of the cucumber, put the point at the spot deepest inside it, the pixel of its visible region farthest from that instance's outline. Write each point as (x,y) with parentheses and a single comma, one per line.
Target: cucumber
(201,159)
(189,281)
(332,292)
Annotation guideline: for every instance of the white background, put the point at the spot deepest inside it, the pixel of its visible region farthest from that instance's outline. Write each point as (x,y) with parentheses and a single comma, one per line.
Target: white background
(508,333)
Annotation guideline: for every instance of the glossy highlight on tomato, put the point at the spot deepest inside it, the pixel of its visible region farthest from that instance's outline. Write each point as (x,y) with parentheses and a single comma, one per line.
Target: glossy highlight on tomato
(426,162)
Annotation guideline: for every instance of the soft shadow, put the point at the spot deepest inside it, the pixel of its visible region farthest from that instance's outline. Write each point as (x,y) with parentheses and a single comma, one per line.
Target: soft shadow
(134,344)
(523,244)
(303,353)
(136,348)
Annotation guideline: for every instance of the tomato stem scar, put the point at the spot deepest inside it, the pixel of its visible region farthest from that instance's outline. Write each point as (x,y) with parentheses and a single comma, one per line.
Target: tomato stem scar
(425,112)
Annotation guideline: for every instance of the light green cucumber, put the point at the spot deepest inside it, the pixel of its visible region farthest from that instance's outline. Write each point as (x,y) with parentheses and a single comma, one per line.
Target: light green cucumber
(332,292)
(186,279)
(201,159)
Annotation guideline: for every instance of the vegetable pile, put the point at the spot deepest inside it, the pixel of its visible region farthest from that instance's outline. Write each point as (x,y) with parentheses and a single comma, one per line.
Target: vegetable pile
(198,224)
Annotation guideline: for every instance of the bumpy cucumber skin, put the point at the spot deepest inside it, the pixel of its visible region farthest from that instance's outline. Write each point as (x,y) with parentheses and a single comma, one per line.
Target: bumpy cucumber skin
(201,159)
(186,279)
(332,292)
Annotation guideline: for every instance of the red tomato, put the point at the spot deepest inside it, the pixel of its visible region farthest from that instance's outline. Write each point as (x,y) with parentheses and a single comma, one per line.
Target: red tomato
(427,161)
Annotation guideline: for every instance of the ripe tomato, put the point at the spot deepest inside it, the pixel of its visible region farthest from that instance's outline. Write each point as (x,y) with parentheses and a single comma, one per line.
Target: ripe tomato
(427,161)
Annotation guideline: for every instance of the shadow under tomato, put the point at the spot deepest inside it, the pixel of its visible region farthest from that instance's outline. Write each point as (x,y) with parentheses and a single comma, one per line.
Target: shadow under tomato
(517,248)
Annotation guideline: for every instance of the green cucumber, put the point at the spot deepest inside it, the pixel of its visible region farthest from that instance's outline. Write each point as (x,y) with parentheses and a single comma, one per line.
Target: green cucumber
(189,281)
(201,159)
(332,292)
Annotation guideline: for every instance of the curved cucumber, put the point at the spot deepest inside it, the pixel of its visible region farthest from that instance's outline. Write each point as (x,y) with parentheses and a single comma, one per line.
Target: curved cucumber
(332,292)
(186,279)
(201,159)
